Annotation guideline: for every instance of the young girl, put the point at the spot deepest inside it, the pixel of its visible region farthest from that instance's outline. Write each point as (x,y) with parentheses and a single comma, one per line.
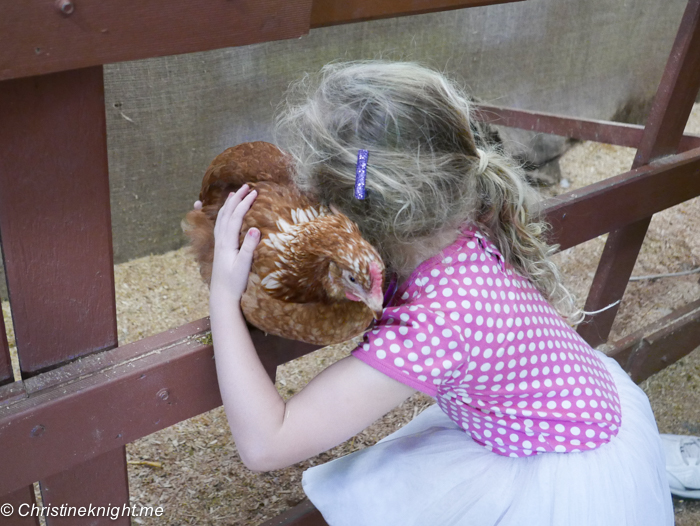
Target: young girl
(531,426)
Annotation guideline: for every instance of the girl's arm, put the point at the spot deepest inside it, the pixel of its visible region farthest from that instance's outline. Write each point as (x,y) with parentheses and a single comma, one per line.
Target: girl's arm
(269,433)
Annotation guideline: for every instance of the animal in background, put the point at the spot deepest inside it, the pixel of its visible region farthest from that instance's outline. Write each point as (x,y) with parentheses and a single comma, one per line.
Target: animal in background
(314,278)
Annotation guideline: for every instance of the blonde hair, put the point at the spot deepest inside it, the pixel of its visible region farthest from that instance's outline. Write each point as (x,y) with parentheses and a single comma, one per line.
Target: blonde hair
(430,167)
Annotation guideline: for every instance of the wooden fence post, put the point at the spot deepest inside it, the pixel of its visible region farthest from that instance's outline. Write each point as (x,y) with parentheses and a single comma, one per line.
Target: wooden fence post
(57,243)
(662,136)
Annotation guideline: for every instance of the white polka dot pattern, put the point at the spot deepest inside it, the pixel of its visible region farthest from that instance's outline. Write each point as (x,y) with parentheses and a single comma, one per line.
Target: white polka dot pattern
(501,362)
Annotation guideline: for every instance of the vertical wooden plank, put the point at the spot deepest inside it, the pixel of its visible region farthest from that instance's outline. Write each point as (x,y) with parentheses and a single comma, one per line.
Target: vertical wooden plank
(662,135)
(21,502)
(57,243)
(61,489)
(55,217)
(610,281)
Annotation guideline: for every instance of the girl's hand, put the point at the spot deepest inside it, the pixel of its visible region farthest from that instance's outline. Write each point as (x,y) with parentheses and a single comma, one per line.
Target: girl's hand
(231,263)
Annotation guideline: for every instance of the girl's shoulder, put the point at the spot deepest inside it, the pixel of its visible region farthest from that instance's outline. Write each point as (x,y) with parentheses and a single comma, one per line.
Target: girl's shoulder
(469,255)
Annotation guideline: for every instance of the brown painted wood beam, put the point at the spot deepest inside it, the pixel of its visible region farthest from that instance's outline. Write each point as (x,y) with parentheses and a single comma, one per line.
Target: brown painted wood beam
(662,136)
(334,12)
(59,427)
(12,392)
(101,402)
(100,481)
(55,217)
(46,36)
(659,344)
(41,36)
(606,132)
(586,213)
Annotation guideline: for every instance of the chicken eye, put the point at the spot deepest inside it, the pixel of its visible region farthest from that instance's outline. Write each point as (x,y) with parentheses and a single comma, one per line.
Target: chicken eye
(352,279)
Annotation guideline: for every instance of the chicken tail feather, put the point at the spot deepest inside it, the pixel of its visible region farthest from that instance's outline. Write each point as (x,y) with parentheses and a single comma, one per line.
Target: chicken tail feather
(198,226)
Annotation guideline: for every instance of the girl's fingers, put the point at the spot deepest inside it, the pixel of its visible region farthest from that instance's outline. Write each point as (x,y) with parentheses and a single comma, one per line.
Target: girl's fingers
(226,212)
(240,211)
(234,199)
(245,254)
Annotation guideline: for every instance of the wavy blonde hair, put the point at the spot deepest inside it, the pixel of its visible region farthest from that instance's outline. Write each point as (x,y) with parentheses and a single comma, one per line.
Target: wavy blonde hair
(430,167)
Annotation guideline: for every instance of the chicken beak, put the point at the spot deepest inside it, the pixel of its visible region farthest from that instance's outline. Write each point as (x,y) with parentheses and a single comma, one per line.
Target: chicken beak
(376,306)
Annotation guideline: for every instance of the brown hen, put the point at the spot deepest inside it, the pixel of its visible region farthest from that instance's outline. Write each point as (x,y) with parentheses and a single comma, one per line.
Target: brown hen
(314,278)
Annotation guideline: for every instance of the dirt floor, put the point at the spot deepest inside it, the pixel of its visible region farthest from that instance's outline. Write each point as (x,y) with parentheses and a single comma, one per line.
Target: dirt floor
(192,469)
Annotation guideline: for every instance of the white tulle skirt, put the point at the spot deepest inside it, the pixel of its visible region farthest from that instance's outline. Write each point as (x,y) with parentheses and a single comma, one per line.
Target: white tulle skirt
(430,473)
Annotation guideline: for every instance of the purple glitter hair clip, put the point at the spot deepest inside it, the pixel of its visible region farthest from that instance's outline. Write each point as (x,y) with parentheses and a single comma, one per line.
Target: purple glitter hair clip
(361,174)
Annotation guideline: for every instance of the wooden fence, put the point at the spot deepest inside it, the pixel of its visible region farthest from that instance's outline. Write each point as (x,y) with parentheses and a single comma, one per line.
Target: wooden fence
(82,398)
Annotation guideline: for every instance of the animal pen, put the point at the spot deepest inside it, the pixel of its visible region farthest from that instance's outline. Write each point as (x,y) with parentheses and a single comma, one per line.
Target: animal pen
(82,397)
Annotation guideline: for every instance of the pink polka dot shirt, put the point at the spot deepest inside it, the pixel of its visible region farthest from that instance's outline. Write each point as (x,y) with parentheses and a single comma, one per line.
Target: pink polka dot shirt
(502,364)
